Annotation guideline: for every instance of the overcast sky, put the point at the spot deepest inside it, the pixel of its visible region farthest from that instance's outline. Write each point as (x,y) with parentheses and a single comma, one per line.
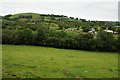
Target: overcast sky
(90,10)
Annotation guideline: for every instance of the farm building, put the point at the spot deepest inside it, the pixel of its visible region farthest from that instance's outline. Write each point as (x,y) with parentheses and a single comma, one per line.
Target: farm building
(117,26)
(69,29)
(92,30)
(110,31)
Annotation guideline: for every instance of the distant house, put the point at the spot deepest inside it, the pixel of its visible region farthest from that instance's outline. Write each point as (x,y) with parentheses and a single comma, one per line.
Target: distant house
(117,26)
(110,31)
(115,32)
(92,30)
(69,29)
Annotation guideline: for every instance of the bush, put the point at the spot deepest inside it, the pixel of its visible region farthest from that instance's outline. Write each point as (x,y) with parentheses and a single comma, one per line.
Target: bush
(22,36)
(105,41)
(118,43)
(7,36)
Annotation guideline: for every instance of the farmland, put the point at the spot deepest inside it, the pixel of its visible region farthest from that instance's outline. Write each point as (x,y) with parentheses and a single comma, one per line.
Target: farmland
(60,31)
(20,61)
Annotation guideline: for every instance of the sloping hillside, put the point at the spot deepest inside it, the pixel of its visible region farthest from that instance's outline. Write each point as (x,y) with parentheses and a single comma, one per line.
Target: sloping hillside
(39,17)
(60,31)
(45,62)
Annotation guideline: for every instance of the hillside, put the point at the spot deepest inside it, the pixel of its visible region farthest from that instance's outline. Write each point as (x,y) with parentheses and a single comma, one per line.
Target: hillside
(46,62)
(60,31)
(39,17)
(51,18)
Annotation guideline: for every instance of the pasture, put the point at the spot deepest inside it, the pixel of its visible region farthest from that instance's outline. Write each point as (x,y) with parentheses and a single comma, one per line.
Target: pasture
(21,61)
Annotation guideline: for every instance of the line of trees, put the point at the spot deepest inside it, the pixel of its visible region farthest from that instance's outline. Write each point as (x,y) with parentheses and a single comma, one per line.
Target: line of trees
(60,39)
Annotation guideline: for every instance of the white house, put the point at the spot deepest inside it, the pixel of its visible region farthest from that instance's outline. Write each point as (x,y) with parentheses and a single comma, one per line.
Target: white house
(117,26)
(69,29)
(110,31)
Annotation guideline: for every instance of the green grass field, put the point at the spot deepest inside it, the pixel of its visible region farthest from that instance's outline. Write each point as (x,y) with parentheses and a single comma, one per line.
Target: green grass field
(45,62)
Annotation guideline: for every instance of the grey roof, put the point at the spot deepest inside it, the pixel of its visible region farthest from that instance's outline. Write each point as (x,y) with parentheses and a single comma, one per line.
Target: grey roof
(70,29)
(92,29)
(117,26)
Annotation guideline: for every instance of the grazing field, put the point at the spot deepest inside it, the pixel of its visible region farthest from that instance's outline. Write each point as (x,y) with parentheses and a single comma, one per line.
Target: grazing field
(45,62)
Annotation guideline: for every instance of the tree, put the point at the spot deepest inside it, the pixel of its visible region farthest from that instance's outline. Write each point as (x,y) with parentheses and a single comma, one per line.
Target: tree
(7,36)
(103,27)
(76,18)
(22,36)
(83,20)
(114,29)
(0,35)
(40,36)
(61,34)
(84,41)
(71,17)
(110,27)
(7,16)
(118,30)
(105,41)
(86,29)
(118,43)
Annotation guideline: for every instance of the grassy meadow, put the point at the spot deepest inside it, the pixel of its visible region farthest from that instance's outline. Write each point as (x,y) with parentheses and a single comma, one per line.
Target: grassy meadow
(44,62)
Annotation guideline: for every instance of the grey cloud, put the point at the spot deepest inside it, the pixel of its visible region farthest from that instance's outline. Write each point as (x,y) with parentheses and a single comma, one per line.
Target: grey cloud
(87,10)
